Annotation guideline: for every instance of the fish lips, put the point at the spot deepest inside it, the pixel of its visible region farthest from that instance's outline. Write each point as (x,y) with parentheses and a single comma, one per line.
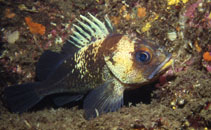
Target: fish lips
(163,66)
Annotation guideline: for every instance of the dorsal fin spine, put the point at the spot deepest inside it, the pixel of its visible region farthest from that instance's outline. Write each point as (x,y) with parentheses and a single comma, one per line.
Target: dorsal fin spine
(100,24)
(86,27)
(108,23)
(77,40)
(82,38)
(98,32)
(90,30)
(72,42)
(82,31)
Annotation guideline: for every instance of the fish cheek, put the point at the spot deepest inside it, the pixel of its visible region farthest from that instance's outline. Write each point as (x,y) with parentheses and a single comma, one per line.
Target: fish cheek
(122,68)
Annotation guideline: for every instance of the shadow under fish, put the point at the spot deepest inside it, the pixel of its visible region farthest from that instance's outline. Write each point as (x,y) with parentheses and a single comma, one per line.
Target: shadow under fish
(95,64)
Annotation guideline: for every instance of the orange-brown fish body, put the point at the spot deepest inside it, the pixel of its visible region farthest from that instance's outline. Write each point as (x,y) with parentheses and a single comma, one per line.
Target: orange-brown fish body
(104,65)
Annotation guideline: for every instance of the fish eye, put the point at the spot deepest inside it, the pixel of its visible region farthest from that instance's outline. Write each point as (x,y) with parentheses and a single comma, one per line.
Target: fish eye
(143,56)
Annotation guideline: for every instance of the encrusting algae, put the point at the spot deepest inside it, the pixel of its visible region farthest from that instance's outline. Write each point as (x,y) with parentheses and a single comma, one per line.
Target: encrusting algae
(207,56)
(141,12)
(35,28)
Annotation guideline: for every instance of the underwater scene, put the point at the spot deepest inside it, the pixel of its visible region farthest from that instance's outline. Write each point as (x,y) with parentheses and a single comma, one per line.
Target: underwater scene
(105,65)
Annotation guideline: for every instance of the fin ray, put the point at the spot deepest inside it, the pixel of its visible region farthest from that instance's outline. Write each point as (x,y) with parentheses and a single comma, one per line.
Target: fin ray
(20,98)
(66,98)
(82,31)
(78,41)
(100,24)
(106,98)
(76,45)
(80,37)
(86,27)
(98,31)
(91,28)
(108,24)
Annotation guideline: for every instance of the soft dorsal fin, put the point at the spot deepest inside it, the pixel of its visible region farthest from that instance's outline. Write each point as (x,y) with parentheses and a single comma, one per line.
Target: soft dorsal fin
(47,63)
(90,30)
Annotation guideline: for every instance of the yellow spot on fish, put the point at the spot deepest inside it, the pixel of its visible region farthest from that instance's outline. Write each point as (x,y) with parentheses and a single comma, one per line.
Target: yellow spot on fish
(82,56)
(121,67)
(170,62)
(118,87)
(96,47)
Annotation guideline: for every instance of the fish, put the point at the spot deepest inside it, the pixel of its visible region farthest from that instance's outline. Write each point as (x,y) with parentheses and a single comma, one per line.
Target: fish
(96,65)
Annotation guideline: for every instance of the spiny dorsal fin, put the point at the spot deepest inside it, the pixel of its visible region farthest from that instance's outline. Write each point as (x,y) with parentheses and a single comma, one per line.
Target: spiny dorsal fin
(91,28)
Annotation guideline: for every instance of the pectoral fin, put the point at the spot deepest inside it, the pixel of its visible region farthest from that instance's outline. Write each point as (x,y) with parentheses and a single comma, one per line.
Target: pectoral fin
(106,98)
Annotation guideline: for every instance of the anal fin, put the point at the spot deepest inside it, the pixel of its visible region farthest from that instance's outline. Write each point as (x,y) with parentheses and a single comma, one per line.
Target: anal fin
(106,98)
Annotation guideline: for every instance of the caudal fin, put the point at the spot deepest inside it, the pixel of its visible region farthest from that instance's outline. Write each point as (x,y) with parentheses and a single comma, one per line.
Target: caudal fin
(20,98)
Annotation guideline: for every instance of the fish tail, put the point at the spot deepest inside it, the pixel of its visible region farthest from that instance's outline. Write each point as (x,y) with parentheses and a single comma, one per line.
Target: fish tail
(20,98)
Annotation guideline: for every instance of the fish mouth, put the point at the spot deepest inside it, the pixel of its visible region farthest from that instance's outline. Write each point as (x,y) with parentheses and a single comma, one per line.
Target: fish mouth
(164,65)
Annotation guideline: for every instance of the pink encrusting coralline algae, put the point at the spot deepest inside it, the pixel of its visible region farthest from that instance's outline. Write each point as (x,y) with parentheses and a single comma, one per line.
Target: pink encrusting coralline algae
(190,11)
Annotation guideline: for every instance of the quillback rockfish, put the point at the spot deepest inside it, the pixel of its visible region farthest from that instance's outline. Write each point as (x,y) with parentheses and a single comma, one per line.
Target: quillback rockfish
(96,64)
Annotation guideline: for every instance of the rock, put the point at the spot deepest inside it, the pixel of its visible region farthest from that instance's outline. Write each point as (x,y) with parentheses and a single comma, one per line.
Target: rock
(172,36)
(13,37)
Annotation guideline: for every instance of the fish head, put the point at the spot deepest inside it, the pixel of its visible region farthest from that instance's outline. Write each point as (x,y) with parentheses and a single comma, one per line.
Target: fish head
(137,61)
